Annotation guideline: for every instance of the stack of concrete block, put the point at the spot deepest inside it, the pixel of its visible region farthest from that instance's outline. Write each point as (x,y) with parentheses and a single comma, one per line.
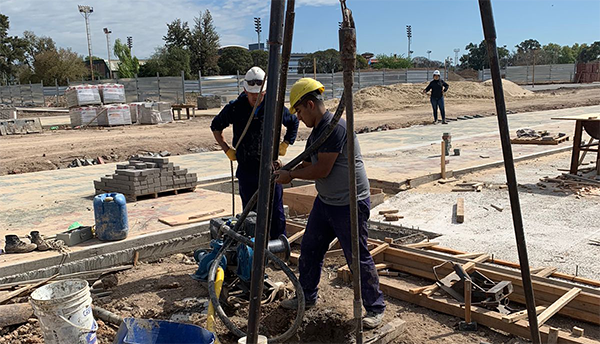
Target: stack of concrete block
(146,176)
(154,112)
(135,109)
(83,115)
(115,114)
(8,112)
(112,93)
(82,95)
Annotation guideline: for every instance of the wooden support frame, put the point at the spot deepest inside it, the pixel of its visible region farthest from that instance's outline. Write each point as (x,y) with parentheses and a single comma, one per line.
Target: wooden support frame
(558,305)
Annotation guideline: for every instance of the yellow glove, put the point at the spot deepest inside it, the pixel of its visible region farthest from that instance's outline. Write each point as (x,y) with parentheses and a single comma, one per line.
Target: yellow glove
(231,154)
(283,146)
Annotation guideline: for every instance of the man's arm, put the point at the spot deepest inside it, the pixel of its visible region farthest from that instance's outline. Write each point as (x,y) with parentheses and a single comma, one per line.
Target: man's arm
(221,140)
(445,86)
(308,171)
(427,88)
(291,124)
(219,123)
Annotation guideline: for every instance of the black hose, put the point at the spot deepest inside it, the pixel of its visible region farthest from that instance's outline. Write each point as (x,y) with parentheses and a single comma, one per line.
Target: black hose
(233,236)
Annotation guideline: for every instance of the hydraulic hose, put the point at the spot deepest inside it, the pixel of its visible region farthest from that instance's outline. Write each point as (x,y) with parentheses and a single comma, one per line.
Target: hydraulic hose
(210,321)
(234,236)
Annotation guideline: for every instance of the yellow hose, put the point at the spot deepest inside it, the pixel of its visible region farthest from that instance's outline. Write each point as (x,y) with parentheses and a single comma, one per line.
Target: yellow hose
(210,320)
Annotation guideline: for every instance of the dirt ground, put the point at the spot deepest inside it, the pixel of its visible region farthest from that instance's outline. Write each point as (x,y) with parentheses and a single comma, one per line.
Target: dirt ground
(58,148)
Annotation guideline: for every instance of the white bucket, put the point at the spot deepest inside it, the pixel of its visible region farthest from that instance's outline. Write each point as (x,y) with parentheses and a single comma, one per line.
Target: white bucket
(261,340)
(65,312)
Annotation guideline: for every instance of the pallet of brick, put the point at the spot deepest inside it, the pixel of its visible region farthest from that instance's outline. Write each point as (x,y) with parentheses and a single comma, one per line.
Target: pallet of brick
(135,110)
(164,110)
(83,115)
(147,176)
(8,112)
(82,95)
(154,113)
(115,114)
(112,93)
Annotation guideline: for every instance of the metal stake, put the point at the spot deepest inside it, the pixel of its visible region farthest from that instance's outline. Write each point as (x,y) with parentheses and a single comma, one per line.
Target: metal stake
(489,29)
(264,177)
(347,39)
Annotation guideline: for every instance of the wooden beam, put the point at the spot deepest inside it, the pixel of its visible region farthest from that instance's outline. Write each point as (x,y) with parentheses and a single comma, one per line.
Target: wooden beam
(295,236)
(577,331)
(469,255)
(553,335)
(545,272)
(334,253)
(482,316)
(443,160)
(382,266)
(511,318)
(424,244)
(8,296)
(460,210)
(558,305)
(379,249)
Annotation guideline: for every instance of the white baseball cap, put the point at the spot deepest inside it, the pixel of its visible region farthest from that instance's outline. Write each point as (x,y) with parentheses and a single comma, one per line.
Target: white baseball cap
(436,72)
(253,80)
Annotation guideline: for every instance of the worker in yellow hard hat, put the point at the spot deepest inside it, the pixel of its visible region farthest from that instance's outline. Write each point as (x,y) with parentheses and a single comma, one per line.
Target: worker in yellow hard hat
(330,215)
(247,154)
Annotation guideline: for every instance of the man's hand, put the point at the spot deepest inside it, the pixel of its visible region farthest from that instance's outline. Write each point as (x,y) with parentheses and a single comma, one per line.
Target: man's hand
(283,146)
(231,154)
(277,165)
(283,176)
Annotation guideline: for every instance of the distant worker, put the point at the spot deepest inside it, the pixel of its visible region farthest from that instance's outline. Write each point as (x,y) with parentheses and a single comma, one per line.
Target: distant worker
(330,214)
(438,87)
(237,113)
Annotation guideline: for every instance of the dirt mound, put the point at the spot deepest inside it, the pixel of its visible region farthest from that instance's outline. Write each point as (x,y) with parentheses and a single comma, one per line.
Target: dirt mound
(401,96)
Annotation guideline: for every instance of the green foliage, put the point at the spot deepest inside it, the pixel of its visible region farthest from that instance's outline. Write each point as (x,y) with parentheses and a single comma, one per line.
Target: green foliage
(477,57)
(260,58)
(361,62)
(392,61)
(209,45)
(61,64)
(327,61)
(128,66)
(13,51)
(167,62)
(178,34)
(234,59)
(36,45)
(591,53)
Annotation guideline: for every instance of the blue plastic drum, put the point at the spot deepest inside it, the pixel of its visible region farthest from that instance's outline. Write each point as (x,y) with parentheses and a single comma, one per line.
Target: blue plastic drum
(110,212)
(148,331)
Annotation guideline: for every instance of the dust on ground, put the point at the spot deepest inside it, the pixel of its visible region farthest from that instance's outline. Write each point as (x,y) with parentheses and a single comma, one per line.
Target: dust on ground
(58,148)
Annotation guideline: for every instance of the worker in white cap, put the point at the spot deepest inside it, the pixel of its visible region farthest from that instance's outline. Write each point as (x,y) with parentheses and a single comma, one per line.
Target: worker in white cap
(438,87)
(247,154)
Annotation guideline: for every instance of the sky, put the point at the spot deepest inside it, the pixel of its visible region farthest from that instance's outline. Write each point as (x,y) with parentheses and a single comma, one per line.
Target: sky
(439,26)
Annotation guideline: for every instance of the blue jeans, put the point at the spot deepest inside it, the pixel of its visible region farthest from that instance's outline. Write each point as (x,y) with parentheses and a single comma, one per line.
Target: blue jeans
(325,223)
(248,184)
(435,103)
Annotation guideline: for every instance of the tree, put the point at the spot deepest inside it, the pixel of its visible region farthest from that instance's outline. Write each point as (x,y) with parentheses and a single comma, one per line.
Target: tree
(36,45)
(128,66)
(525,52)
(477,57)
(392,61)
(234,59)
(260,58)
(167,62)
(209,46)
(591,53)
(327,61)
(13,51)
(178,34)
(61,64)
(361,62)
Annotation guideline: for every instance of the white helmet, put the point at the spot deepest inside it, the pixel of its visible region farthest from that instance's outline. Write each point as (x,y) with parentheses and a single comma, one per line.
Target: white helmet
(436,72)
(253,80)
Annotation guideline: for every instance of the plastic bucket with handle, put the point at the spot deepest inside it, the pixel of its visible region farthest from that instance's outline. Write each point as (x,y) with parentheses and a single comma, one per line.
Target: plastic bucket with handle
(65,312)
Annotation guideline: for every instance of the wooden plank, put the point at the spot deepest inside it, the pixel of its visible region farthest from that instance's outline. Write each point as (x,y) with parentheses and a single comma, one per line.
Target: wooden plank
(379,249)
(558,305)
(553,335)
(583,117)
(482,316)
(545,272)
(295,236)
(511,318)
(184,219)
(443,160)
(8,296)
(388,211)
(424,244)
(460,210)
(335,243)
(577,331)
(381,266)
(292,227)
(469,255)
(334,253)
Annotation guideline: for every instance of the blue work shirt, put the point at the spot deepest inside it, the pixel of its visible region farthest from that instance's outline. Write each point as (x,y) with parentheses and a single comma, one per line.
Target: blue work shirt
(236,113)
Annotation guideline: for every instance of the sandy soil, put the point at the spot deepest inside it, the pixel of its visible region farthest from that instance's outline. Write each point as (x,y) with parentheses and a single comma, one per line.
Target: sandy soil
(56,149)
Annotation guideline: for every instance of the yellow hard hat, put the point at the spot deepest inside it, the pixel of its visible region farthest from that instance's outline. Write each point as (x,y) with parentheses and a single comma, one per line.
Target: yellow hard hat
(301,88)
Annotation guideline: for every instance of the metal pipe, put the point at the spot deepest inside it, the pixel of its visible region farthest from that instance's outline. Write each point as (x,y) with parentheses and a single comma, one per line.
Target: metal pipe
(489,29)
(347,34)
(264,177)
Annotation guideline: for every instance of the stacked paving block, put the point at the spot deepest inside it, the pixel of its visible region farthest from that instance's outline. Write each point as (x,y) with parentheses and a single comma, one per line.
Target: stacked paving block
(104,104)
(82,95)
(153,112)
(83,115)
(146,176)
(115,114)
(112,93)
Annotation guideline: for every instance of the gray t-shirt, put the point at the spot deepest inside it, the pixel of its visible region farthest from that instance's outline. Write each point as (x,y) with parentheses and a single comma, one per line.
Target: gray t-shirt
(334,189)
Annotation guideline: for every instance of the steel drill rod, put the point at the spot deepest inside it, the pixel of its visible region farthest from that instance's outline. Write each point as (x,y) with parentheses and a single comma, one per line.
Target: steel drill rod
(264,176)
(348,54)
(489,30)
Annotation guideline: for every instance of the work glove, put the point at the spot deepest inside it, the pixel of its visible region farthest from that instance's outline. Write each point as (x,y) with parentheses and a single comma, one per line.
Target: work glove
(231,154)
(283,146)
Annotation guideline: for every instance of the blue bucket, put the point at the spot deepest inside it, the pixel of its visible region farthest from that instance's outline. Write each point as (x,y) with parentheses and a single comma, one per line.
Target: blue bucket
(149,331)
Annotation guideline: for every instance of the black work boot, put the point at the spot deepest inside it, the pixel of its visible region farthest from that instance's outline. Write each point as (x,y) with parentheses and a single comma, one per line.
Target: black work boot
(15,245)
(37,239)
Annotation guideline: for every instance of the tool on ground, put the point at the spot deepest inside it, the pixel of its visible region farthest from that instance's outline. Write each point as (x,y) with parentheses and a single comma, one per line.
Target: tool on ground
(347,42)
(467,325)
(485,292)
(489,30)
(76,235)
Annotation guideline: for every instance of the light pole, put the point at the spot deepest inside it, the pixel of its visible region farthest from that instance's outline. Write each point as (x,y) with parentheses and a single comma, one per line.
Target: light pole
(456,50)
(107,32)
(86,11)
(130,44)
(258,29)
(428,62)
(409,35)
